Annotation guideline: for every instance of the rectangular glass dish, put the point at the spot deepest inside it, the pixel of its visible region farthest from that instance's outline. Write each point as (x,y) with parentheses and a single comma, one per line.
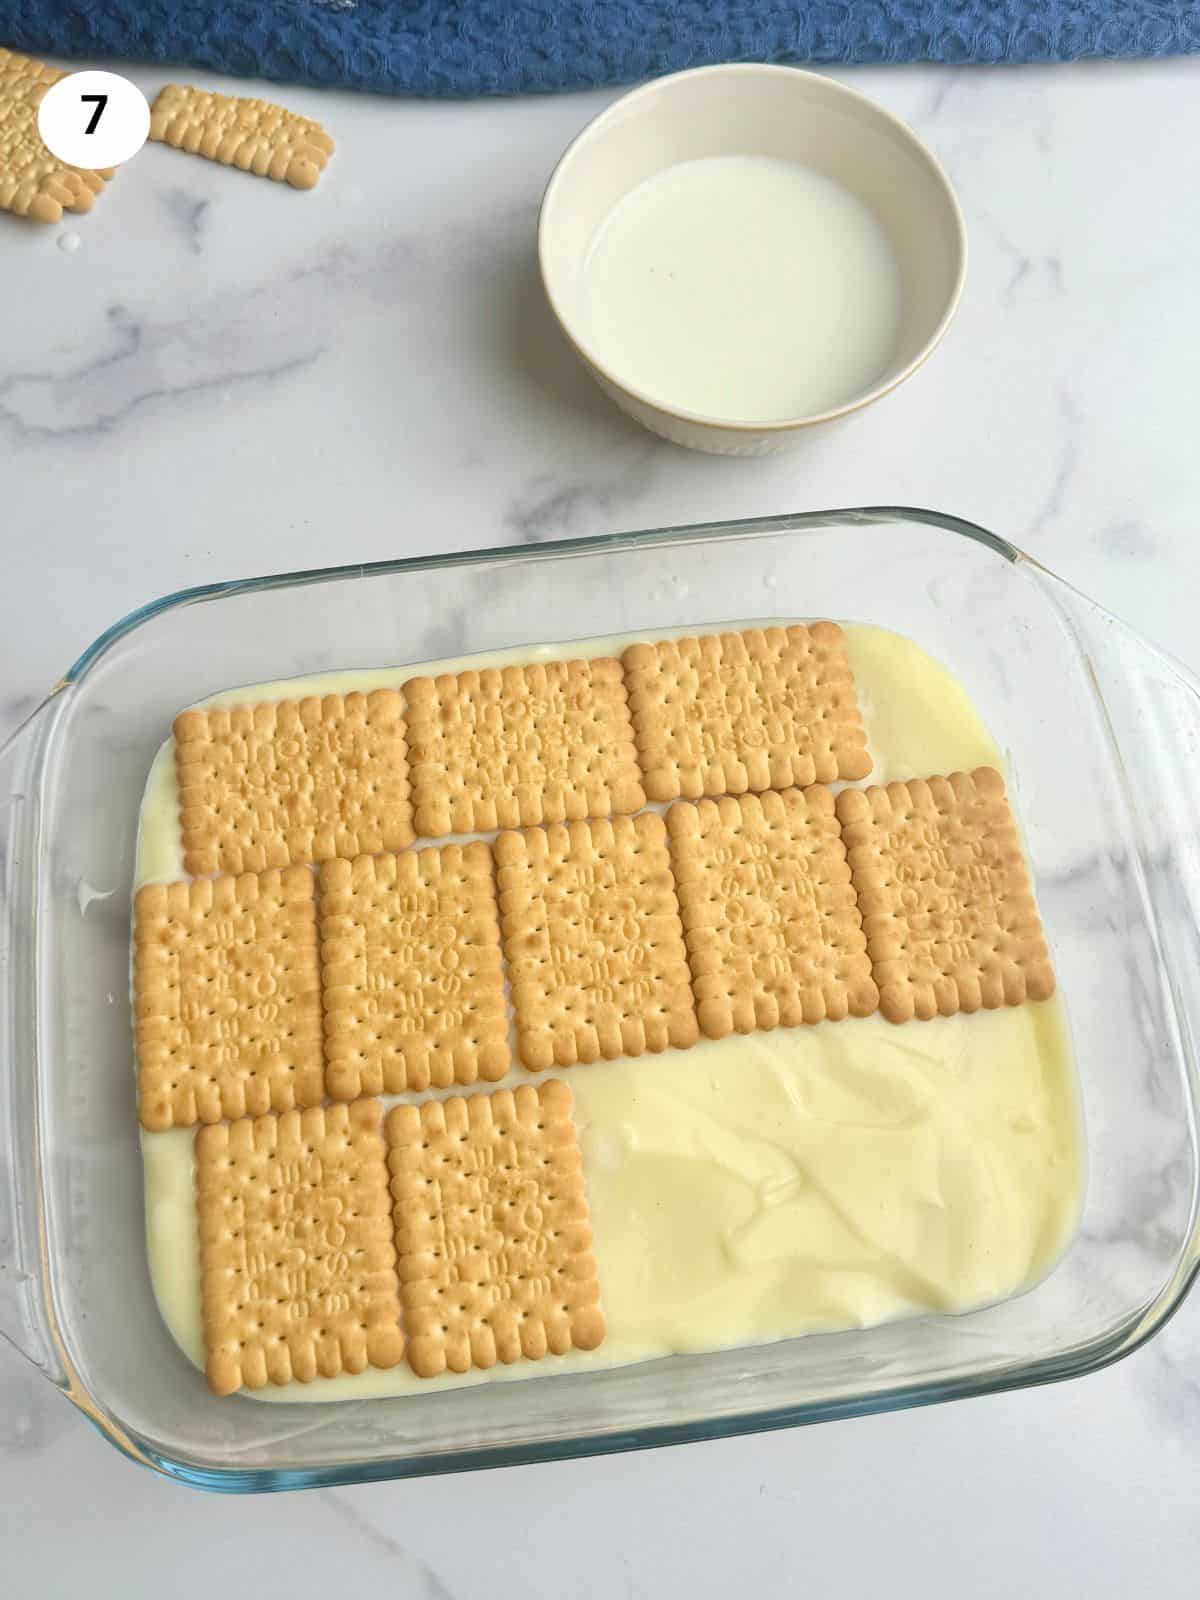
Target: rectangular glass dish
(1102,738)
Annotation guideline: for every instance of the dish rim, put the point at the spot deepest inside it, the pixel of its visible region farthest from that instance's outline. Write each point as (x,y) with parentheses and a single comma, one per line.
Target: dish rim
(1068,1362)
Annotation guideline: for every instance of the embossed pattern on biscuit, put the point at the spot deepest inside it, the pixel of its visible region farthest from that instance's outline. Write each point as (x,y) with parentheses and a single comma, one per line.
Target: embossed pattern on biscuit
(297,1254)
(253,135)
(727,713)
(226,998)
(509,747)
(945,894)
(774,936)
(292,781)
(34,183)
(492,1230)
(412,980)
(593,941)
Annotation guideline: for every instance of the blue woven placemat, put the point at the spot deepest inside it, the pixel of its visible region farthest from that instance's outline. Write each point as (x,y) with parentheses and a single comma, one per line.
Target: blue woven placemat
(477,47)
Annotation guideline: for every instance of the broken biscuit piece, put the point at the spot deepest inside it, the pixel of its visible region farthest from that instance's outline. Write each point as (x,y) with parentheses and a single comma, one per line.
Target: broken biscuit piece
(252,135)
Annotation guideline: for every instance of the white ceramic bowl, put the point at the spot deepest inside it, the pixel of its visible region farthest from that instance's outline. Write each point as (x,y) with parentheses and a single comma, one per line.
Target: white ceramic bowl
(757,110)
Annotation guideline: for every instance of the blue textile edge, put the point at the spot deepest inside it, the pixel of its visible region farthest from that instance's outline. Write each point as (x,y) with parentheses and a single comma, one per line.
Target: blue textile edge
(467,48)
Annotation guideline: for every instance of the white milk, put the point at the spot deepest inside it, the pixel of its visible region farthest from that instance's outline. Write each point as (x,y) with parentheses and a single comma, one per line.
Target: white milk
(746,288)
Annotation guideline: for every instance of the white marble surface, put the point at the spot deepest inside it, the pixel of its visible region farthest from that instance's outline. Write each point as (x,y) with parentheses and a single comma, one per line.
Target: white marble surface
(226,378)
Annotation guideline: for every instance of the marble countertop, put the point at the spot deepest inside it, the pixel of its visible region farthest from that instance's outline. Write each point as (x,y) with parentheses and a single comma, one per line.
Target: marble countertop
(210,377)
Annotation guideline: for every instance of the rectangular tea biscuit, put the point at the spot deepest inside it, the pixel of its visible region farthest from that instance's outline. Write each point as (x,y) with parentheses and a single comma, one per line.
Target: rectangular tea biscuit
(253,135)
(730,712)
(492,1230)
(226,994)
(511,746)
(945,894)
(291,781)
(34,183)
(297,1255)
(412,980)
(773,933)
(593,941)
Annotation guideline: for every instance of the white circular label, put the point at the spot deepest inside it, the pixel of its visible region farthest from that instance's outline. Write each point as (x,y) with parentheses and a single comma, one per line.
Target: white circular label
(94,119)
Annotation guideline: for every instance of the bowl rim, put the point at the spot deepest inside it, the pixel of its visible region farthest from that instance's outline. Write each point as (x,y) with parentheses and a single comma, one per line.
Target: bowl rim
(742,69)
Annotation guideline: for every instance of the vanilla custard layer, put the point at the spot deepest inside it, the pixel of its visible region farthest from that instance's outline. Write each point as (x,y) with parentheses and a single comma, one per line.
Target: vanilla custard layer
(759,1187)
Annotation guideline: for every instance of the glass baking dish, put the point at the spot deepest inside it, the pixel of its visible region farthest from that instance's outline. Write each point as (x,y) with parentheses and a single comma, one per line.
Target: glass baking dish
(1102,734)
